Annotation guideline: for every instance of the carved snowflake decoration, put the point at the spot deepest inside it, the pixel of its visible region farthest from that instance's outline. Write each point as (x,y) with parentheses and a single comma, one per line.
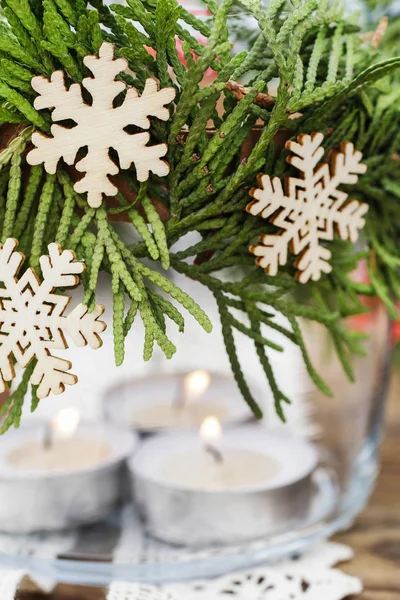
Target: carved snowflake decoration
(32,320)
(100,126)
(311,210)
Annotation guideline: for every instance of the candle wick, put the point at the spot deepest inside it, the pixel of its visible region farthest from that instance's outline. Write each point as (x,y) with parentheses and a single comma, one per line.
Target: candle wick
(215,453)
(48,437)
(180,400)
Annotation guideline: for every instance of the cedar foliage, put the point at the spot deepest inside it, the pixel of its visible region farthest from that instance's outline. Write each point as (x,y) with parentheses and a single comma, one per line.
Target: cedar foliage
(328,75)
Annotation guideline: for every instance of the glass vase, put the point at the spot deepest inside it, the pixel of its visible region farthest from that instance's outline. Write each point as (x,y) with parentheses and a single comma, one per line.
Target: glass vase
(346,428)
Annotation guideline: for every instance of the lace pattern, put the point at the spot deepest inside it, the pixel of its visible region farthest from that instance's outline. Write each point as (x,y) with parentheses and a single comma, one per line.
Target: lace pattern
(9,582)
(309,577)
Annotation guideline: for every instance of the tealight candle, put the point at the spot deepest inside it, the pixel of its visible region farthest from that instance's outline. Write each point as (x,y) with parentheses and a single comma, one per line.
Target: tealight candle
(61,475)
(247,484)
(176,401)
(59,448)
(216,469)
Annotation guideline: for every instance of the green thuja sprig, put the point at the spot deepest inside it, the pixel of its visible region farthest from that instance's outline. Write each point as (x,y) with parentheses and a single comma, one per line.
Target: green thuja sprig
(119,269)
(14,187)
(26,17)
(130,317)
(169,310)
(69,11)
(14,404)
(220,135)
(141,271)
(158,230)
(141,226)
(233,357)
(45,205)
(65,221)
(118,323)
(179,295)
(16,146)
(80,228)
(279,397)
(93,268)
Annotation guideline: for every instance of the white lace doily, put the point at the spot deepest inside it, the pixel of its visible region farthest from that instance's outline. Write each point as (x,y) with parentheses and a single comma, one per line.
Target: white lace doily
(309,577)
(40,544)
(9,582)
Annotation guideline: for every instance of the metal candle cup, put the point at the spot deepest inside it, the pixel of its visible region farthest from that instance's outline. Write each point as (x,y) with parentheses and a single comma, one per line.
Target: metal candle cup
(209,512)
(36,499)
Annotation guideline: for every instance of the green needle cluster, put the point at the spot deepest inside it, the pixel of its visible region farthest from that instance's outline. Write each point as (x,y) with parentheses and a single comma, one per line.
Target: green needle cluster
(308,67)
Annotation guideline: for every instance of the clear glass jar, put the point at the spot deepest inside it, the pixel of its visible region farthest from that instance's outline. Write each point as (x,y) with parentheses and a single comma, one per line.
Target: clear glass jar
(349,425)
(345,430)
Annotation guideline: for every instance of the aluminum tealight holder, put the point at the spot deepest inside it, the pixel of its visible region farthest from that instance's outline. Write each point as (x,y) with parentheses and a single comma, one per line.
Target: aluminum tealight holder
(43,499)
(229,511)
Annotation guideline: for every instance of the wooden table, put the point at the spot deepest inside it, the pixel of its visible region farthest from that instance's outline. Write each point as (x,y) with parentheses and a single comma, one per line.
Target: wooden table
(375,537)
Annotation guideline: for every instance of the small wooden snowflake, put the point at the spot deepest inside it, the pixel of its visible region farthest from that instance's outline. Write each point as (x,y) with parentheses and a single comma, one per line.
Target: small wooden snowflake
(100,126)
(32,320)
(311,210)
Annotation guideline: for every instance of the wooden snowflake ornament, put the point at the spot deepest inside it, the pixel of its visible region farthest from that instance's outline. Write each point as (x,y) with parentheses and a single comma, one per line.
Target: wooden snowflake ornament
(100,126)
(32,320)
(311,210)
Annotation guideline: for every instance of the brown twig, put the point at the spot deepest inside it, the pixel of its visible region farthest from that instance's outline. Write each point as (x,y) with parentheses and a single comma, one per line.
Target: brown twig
(263,100)
(8,132)
(375,37)
(379,33)
(128,193)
